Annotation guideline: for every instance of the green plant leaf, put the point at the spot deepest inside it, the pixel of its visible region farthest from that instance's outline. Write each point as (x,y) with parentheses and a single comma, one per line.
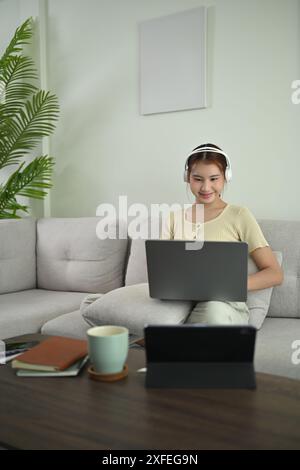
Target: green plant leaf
(13,85)
(27,114)
(30,181)
(21,37)
(11,210)
(21,133)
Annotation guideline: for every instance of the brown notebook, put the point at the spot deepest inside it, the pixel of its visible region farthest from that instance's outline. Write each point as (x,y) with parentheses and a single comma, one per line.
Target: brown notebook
(55,353)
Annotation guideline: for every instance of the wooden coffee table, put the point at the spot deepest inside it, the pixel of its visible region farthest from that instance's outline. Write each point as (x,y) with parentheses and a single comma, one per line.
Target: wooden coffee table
(79,413)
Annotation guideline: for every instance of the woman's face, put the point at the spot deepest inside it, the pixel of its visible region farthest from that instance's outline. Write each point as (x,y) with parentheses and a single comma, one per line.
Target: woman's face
(206,183)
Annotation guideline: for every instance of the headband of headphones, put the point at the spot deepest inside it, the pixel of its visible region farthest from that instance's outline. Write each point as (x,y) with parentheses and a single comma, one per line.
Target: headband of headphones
(228,171)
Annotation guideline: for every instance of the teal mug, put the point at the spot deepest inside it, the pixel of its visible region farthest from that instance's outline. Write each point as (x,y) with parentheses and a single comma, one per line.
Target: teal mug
(108,348)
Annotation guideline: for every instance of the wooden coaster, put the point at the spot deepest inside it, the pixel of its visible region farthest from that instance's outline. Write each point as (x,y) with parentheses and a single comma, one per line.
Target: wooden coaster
(140,342)
(107,377)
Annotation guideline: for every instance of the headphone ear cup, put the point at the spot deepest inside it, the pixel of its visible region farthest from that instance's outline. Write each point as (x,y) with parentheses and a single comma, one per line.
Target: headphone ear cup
(185,174)
(228,174)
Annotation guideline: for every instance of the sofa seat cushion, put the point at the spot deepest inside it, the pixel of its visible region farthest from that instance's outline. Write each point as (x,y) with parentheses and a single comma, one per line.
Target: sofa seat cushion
(275,346)
(26,311)
(132,307)
(70,324)
(17,255)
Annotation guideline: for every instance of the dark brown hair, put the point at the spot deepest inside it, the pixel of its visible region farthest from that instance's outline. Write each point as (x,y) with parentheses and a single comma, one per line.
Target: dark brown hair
(207,157)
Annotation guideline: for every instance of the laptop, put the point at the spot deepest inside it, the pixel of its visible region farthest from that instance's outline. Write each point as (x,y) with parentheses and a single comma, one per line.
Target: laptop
(217,271)
(200,356)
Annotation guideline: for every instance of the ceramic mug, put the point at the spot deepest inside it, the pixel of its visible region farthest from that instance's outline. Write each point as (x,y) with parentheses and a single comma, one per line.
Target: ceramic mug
(108,348)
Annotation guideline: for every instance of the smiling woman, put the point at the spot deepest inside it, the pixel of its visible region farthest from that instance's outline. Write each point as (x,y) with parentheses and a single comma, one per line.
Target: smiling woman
(207,170)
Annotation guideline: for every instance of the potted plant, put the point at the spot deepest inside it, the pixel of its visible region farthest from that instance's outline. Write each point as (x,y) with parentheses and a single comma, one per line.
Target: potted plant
(27,114)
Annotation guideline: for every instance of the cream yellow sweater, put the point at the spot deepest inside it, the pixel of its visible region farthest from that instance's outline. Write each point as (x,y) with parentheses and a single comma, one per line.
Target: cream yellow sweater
(235,223)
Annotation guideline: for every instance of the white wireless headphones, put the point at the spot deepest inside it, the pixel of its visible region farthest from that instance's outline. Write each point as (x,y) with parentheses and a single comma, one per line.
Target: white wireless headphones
(228,171)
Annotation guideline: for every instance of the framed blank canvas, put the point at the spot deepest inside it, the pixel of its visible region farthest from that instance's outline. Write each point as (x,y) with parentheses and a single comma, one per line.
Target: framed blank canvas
(173,62)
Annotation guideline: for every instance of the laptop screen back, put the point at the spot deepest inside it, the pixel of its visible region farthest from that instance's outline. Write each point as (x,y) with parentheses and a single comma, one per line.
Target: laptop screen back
(217,271)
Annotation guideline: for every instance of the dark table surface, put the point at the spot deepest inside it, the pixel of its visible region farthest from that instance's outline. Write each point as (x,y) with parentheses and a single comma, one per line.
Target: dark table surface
(79,413)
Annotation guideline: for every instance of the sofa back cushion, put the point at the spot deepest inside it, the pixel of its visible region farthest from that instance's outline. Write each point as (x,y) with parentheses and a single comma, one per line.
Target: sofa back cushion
(136,271)
(17,255)
(70,256)
(258,301)
(284,236)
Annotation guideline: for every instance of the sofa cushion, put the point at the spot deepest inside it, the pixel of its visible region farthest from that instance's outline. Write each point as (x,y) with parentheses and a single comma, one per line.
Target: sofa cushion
(131,306)
(26,311)
(136,271)
(258,301)
(88,300)
(17,255)
(70,256)
(70,324)
(277,344)
(284,236)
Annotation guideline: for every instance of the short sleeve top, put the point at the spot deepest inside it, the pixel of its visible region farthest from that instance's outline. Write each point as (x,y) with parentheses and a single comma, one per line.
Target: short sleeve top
(235,223)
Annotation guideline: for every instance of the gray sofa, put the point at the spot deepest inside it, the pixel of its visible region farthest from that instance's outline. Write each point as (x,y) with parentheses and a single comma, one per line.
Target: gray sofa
(48,266)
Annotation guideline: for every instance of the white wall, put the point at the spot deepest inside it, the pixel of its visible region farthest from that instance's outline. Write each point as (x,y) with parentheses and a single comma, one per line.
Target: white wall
(104,148)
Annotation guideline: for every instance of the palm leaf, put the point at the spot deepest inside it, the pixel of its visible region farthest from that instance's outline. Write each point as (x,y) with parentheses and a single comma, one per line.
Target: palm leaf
(21,36)
(26,115)
(30,181)
(13,88)
(33,120)
(14,71)
(11,208)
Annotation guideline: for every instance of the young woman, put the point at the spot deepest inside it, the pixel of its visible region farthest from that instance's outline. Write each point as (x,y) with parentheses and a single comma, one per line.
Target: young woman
(207,170)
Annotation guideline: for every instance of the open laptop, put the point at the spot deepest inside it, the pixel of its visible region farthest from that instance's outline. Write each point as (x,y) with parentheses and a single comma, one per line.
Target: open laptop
(200,356)
(217,271)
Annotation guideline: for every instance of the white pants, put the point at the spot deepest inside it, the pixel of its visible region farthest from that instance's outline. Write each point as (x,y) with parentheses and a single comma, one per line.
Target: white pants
(219,313)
